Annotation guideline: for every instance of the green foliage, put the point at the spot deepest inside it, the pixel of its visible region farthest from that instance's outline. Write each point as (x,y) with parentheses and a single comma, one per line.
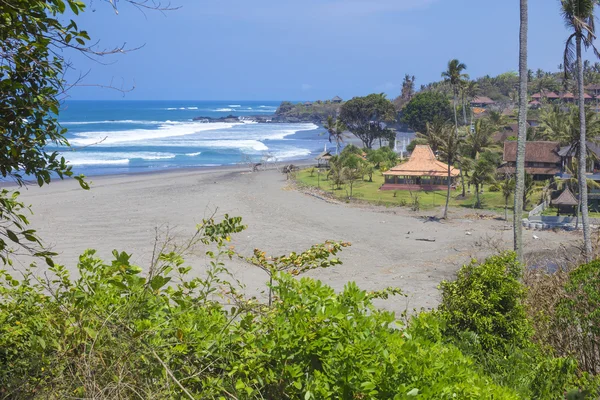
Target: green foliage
(426,107)
(366,118)
(115,332)
(414,143)
(487,300)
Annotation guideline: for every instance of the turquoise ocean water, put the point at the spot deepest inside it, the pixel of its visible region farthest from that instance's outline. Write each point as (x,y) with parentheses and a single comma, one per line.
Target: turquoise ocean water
(115,137)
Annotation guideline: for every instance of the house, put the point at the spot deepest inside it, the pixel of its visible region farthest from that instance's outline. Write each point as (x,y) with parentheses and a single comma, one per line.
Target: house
(593,89)
(534,104)
(566,203)
(568,156)
(542,160)
(308,103)
(336,99)
(543,95)
(421,172)
(482,102)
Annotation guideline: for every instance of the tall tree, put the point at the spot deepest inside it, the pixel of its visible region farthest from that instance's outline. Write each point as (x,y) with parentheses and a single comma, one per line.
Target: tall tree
(579,17)
(507,187)
(366,117)
(426,107)
(455,77)
(482,173)
(522,136)
(335,128)
(448,144)
(479,138)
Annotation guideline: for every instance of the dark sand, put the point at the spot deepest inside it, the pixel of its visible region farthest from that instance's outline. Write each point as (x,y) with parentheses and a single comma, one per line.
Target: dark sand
(122,213)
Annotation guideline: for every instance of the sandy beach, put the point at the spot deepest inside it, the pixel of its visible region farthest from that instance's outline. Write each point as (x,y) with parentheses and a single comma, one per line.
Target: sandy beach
(123,212)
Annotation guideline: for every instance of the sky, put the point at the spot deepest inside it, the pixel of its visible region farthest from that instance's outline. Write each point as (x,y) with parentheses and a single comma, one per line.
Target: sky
(305,50)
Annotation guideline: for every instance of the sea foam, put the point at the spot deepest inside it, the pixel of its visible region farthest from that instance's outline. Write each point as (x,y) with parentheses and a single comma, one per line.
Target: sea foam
(135,136)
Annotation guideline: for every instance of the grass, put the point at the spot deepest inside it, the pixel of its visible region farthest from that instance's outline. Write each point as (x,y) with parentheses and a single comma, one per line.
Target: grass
(369,191)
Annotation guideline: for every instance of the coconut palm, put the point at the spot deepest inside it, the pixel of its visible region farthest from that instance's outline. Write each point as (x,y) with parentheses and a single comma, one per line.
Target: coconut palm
(480,138)
(448,144)
(483,173)
(497,119)
(455,77)
(507,187)
(578,16)
(522,136)
(335,128)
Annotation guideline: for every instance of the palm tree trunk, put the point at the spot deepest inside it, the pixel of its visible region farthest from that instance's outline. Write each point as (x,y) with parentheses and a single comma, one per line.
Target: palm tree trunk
(478,203)
(464,108)
(447,194)
(583,192)
(506,209)
(522,136)
(462,181)
(455,115)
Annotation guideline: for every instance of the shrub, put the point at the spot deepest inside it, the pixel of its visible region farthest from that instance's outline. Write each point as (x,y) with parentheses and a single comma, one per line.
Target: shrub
(115,332)
(487,300)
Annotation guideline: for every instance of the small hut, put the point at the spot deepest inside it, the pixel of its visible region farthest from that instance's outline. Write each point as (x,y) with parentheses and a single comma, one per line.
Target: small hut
(566,203)
(336,99)
(323,159)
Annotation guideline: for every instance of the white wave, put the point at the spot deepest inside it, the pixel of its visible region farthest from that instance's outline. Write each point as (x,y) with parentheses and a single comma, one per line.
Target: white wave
(193,154)
(267,107)
(172,108)
(114,121)
(234,105)
(223,110)
(116,158)
(242,145)
(257,111)
(192,108)
(291,154)
(134,136)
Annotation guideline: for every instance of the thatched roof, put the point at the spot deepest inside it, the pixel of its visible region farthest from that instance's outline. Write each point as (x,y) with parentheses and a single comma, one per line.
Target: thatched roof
(422,162)
(566,198)
(326,155)
(537,152)
(336,98)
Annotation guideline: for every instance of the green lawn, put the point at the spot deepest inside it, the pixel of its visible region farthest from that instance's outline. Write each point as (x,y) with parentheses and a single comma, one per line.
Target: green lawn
(370,192)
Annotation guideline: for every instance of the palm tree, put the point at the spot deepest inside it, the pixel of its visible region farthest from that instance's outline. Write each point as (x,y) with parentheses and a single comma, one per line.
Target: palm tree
(497,119)
(579,17)
(483,173)
(507,186)
(480,138)
(455,77)
(335,128)
(448,145)
(522,136)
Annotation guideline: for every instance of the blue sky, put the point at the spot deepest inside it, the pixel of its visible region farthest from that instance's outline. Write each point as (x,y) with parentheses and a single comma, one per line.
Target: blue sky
(309,49)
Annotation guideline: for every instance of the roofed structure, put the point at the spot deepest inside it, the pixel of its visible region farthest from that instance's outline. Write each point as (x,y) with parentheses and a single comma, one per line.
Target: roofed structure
(336,99)
(541,159)
(482,101)
(323,158)
(566,198)
(422,171)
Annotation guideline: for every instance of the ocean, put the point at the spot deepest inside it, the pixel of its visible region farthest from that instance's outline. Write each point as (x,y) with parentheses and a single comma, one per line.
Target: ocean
(117,137)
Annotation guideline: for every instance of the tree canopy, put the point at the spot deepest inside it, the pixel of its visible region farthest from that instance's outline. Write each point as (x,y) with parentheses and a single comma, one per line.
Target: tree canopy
(366,118)
(426,107)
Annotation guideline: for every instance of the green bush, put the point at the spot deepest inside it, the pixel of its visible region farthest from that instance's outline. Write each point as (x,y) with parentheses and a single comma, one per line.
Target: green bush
(115,332)
(487,299)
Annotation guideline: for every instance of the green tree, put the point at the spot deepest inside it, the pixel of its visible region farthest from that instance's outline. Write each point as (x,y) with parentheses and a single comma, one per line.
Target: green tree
(366,117)
(507,187)
(480,138)
(426,107)
(522,135)
(578,16)
(456,78)
(483,173)
(335,128)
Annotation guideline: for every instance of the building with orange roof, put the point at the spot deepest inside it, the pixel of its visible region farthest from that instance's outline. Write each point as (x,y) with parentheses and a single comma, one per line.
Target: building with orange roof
(423,171)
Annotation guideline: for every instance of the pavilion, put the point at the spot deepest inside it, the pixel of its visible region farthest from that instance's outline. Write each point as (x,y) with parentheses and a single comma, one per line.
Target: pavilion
(421,172)
(566,203)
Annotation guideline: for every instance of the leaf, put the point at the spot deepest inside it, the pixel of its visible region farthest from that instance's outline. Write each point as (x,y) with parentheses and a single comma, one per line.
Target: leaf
(413,393)
(308,395)
(91,333)
(12,236)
